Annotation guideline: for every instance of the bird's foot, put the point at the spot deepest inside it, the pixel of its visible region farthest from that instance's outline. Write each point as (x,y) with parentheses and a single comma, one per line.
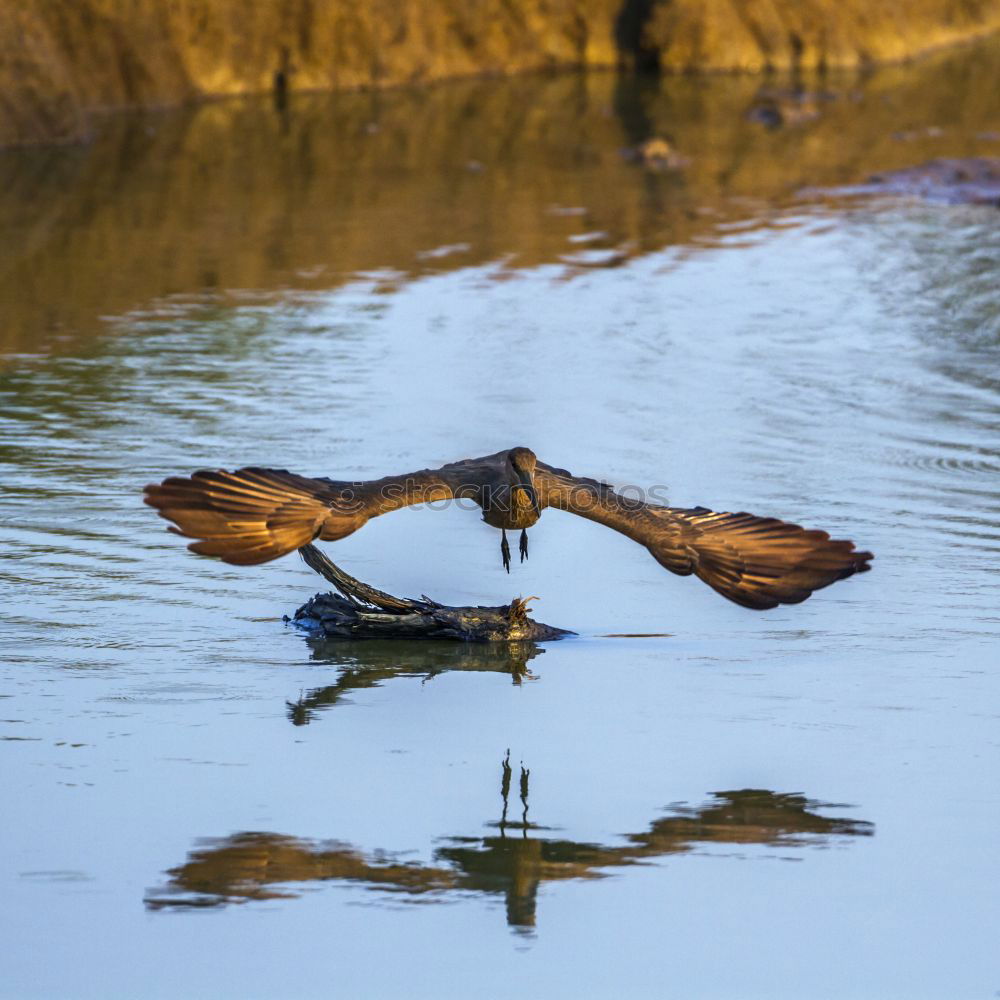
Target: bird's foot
(505,552)
(524,545)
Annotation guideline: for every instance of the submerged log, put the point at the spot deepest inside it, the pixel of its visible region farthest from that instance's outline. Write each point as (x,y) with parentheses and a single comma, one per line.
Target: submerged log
(362,612)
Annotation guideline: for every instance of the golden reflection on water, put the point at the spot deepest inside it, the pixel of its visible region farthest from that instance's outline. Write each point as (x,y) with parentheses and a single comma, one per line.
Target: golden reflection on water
(512,863)
(239,196)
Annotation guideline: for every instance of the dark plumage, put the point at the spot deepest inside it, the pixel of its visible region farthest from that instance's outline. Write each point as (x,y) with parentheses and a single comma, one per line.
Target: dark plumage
(254,515)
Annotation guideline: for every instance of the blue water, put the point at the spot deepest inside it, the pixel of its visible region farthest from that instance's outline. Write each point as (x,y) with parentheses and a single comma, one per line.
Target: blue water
(200,802)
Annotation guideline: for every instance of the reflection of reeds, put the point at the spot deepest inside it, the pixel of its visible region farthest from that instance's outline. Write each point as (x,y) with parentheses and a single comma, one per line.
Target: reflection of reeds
(249,866)
(234,196)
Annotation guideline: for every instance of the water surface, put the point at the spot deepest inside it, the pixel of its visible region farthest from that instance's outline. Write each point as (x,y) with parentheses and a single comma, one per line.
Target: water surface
(201,802)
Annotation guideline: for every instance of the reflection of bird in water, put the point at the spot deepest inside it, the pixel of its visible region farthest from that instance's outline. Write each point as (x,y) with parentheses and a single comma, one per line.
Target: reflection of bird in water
(249,866)
(254,515)
(367,664)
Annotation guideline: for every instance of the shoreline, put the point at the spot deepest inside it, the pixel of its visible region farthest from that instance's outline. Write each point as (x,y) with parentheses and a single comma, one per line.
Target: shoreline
(63,65)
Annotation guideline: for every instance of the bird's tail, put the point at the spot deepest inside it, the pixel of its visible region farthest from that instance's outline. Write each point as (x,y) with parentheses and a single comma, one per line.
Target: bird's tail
(758,562)
(245,517)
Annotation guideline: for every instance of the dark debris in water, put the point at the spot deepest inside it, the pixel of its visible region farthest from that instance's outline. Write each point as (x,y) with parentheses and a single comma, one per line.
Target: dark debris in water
(776,107)
(334,617)
(360,611)
(951,181)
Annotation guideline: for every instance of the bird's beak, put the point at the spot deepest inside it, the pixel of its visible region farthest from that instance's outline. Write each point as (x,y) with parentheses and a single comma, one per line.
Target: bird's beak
(524,480)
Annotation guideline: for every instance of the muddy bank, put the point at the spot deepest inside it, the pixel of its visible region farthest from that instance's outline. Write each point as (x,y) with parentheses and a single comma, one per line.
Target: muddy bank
(61,59)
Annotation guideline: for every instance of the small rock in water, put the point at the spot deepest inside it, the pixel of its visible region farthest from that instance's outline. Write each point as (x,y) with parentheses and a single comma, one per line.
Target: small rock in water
(656,154)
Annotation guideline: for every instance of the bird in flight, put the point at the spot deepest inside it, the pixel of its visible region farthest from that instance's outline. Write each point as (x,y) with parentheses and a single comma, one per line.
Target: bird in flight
(254,515)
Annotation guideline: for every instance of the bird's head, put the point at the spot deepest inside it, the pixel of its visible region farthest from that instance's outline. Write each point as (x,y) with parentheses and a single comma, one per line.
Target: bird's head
(521,469)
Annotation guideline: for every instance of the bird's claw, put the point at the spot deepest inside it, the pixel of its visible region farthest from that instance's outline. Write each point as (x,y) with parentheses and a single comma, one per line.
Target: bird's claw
(524,545)
(505,552)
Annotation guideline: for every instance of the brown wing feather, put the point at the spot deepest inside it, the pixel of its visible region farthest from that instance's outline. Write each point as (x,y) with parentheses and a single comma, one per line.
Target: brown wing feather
(254,515)
(245,517)
(758,562)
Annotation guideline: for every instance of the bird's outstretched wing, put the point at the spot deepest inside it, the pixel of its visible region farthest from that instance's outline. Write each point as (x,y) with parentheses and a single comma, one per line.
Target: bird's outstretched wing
(254,515)
(759,562)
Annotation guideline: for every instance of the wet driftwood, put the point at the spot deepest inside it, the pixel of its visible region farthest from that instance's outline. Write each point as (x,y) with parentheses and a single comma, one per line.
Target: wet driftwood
(362,612)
